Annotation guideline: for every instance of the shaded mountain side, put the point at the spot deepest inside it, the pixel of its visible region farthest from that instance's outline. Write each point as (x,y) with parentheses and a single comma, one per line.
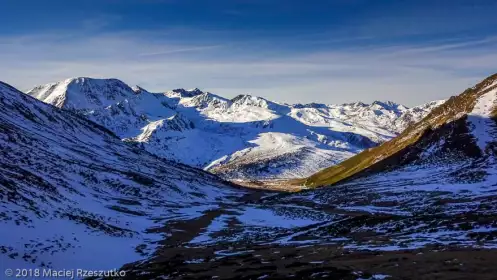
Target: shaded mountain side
(447,121)
(279,165)
(67,183)
(450,142)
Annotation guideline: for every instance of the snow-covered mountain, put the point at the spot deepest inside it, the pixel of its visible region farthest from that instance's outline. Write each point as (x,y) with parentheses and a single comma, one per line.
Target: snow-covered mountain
(73,195)
(246,137)
(424,201)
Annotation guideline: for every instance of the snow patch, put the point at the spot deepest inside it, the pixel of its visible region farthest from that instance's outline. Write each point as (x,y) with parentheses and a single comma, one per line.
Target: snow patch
(483,128)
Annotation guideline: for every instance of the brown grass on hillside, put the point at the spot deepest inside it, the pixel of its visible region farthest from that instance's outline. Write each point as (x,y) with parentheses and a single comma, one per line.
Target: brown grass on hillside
(453,109)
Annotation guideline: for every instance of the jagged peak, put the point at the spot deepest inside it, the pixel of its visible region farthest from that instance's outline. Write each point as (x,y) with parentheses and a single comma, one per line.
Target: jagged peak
(138,89)
(356,104)
(244,96)
(428,106)
(207,99)
(241,97)
(196,91)
(388,104)
(154,129)
(73,92)
(247,99)
(187,92)
(257,101)
(309,105)
(210,95)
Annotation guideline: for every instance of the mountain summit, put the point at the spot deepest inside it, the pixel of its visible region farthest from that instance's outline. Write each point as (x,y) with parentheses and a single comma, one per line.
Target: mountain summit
(246,137)
(76,93)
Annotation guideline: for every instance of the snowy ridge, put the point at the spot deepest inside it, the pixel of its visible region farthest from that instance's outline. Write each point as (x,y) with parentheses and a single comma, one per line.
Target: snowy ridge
(255,135)
(67,184)
(77,93)
(175,123)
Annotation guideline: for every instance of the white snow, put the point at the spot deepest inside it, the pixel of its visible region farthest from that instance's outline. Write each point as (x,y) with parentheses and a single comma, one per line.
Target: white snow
(483,128)
(83,198)
(376,277)
(268,218)
(247,137)
(216,225)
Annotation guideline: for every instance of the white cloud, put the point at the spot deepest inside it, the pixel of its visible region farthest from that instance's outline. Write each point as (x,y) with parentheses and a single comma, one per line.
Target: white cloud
(170,51)
(402,73)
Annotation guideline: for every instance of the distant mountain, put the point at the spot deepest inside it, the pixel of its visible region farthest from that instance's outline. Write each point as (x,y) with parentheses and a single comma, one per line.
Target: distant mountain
(247,137)
(425,200)
(73,194)
(457,139)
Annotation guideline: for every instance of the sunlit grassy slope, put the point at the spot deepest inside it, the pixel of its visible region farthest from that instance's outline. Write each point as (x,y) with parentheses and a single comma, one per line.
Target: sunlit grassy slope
(389,153)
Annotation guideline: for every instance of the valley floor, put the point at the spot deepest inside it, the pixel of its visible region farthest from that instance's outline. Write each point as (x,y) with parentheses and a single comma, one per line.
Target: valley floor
(270,185)
(414,223)
(397,226)
(319,262)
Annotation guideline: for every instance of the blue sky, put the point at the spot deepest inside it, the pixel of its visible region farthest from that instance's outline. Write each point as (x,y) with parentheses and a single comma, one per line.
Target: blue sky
(290,51)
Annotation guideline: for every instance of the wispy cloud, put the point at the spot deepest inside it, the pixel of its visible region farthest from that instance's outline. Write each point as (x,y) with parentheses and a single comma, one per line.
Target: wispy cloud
(410,74)
(99,22)
(180,50)
(233,12)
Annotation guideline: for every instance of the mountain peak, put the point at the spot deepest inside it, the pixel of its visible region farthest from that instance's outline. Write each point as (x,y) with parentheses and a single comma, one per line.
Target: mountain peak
(390,106)
(310,105)
(386,104)
(95,81)
(356,104)
(181,92)
(207,99)
(82,92)
(244,97)
(250,100)
(138,89)
(318,127)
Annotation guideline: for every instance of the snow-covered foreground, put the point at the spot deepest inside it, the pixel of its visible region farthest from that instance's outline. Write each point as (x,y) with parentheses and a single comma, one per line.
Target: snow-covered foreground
(408,208)
(73,195)
(246,137)
(440,202)
(415,212)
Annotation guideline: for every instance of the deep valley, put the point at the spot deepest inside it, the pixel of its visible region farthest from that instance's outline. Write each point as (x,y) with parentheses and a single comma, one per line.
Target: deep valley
(100,178)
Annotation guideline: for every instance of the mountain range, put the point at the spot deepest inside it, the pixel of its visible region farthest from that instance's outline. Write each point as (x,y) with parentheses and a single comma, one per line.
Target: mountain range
(82,187)
(244,138)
